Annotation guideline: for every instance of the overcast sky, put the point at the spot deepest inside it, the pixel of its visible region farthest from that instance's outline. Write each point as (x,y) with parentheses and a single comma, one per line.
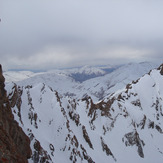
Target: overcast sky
(45,34)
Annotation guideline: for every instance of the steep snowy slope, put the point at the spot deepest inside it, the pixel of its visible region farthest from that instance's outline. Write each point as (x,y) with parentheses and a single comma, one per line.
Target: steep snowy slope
(124,127)
(64,84)
(105,85)
(65,81)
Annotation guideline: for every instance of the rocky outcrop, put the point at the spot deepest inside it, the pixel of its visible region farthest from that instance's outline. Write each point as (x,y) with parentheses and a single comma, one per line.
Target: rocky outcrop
(161,69)
(14,144)
(2,86)
(133,138)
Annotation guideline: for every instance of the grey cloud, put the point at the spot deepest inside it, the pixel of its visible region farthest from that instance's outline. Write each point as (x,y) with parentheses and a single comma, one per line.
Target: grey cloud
(83,30)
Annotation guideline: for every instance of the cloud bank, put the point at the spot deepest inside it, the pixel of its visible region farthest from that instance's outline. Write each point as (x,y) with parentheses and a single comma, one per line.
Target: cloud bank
(38,34)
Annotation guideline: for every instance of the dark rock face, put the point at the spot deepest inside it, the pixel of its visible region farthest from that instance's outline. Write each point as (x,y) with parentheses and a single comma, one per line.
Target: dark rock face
(14,144)
(2,85)
(133,138)
(161,69)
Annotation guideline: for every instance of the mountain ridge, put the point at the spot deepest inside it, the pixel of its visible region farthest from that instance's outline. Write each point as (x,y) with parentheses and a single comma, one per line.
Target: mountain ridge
(97,87)
(125,126)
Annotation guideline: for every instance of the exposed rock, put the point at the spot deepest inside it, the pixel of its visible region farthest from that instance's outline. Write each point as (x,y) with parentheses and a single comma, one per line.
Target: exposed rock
(74,117)
(40,155)
(86,137)
(106,149)
(15,99)
(143,122)
(14,144)
(2,86)
(133,138)
(86,156)
(161,69)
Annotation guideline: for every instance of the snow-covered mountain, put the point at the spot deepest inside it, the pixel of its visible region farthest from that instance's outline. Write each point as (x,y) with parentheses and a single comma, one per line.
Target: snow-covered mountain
(126,126)
(14,76)
(79,74)
(66,84)
(86,72)
(103,86)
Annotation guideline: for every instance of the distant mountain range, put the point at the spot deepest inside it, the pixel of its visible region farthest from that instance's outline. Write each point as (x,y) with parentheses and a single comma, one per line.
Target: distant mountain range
(96,82)
(79,74)
(90,114)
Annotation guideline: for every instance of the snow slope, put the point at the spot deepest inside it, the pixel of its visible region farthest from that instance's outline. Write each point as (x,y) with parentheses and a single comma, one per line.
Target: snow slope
(125,126)
(14,76)
(86,71)
(105,85)
(97,87)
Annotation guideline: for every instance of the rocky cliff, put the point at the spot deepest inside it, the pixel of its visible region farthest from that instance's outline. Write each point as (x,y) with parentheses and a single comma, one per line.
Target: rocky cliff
(14,144)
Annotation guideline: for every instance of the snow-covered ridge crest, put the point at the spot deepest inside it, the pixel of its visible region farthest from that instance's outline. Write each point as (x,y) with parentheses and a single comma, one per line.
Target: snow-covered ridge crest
(66,81)
(88,70)
(125,125)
